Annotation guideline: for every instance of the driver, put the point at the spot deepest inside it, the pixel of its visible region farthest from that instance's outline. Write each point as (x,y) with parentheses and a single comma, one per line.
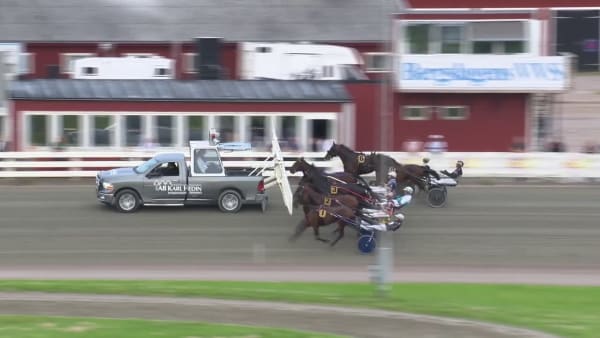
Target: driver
(171,170)
(402,200)
(457,171)
(201,164)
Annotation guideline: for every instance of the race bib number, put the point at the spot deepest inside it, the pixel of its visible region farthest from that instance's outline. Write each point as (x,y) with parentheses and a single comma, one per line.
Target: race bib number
(327,201)
(334,190)
(322,213)
(361,158)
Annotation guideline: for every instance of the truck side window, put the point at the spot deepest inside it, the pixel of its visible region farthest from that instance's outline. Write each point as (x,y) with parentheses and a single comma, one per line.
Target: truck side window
(167,169)
(207,162)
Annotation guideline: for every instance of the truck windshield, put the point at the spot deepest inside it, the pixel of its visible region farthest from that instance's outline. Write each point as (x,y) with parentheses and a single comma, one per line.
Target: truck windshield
(142,168)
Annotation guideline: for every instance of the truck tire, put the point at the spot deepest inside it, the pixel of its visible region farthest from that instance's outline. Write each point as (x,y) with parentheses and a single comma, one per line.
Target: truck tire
(230,201)
(127,201)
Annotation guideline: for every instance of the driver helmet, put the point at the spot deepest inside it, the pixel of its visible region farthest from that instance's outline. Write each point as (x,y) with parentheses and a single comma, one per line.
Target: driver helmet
(460,163)
(426,160)
(408,190)
(392,174)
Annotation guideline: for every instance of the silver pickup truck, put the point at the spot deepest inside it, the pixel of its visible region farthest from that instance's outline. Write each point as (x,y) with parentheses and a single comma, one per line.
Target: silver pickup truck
(168,180)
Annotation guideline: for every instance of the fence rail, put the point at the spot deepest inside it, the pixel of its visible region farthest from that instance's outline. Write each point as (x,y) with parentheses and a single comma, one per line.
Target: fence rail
(477,165)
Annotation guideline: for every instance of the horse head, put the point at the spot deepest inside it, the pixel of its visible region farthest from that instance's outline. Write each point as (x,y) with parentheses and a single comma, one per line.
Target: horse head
(332,152)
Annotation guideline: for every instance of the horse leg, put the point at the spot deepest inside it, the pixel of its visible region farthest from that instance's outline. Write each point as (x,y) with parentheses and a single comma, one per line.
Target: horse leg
(316,231)
(302,225)
(340,231)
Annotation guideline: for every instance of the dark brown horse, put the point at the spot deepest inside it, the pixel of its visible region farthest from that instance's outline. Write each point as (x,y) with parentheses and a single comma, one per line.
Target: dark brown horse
(412,174)
(323,185)
(321,210)
(354,163)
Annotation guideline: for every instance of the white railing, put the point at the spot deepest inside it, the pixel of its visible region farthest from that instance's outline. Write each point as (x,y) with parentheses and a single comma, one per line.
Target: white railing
(477,165)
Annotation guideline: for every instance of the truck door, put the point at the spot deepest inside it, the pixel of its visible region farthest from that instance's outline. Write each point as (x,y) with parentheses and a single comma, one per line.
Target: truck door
(208,172)
(164,184)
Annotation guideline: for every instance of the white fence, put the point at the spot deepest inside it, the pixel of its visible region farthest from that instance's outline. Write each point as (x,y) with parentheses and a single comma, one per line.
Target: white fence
(477,165)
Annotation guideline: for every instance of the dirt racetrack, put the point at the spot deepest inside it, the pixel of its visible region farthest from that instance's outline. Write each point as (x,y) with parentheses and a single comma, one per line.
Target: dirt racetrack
(536,234)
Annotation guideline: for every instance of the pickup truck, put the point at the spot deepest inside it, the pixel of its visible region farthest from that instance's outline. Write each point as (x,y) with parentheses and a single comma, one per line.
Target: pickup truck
(168,180)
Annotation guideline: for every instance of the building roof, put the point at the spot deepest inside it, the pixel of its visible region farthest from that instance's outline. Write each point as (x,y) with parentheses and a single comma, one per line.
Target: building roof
(178,90)
(182,20)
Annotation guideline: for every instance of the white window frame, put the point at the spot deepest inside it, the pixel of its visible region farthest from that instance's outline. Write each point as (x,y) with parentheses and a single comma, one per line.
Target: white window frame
(427,115)
(140,55)
(30,57)
(368,64)
(65,61)
(188,62)
(442,113)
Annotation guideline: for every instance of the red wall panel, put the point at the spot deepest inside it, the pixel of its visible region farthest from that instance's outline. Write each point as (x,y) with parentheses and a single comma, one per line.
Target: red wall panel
(493,121)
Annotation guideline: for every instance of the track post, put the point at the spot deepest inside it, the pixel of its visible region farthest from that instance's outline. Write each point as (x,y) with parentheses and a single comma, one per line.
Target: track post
(385,263)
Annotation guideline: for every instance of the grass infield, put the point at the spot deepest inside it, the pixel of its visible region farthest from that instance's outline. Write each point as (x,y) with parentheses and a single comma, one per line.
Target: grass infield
(568,311)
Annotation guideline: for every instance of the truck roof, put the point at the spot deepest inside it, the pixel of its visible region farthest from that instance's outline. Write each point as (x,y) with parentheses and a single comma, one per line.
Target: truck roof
(170,157)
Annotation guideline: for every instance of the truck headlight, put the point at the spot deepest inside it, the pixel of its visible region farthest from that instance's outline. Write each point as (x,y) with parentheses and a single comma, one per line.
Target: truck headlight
(107,186)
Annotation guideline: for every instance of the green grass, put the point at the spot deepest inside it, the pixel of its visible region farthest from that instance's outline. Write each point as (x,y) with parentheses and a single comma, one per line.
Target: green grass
(565,311)
(65,327)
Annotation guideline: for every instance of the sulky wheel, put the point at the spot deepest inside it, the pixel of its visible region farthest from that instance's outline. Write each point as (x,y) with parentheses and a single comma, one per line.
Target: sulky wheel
(436,197)
(367,243)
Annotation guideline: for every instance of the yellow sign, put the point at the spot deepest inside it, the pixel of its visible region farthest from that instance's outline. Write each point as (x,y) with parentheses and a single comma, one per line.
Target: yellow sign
(334,190)
(327,201)
(520,163)
(577,164)
(322,213)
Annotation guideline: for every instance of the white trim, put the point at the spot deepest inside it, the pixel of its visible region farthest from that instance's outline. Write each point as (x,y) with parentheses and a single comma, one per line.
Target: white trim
(30,63)
(143,55)
(309,115)
(188,66)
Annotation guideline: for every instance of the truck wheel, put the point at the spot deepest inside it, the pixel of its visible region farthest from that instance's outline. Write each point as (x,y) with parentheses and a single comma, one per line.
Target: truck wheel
(230,201)
(127,201)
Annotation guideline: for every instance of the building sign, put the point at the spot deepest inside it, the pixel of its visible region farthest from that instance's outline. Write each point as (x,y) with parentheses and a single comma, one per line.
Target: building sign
(482,73)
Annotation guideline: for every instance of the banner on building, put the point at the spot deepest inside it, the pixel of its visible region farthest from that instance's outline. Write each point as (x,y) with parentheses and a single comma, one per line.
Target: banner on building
(482,73)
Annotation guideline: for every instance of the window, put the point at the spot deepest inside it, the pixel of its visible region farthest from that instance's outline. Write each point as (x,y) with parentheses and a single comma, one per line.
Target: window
(226,128)
(257,131)
(165,130)
(416,113)
(263,49)
(168,169)
(68,58)
(103,130)
(289,124)
(453,112)
(26,63)
(378,62)
(133,130)
(481,37)
(70,130)
(38,130)
(418,38)
(328,71)
(482,47)
(189,62)
(196,128)
(162,72)
(3,137)
(503,37)
(206,161)
(451,39)
(90,71)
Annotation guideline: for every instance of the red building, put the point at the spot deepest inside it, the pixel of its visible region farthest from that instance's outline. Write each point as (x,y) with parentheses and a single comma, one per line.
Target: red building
(500,92)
